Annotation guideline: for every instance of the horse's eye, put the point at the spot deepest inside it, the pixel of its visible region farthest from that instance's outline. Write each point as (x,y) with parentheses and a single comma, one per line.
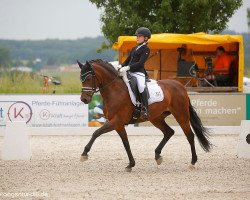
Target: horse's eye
(88,78)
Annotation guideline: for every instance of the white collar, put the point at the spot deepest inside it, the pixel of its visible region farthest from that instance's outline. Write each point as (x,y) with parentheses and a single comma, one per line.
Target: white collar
(139,46)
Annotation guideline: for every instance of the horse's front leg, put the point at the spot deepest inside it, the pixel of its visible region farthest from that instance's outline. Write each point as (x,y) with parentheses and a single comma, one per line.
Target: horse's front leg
(107,127)
(123,134)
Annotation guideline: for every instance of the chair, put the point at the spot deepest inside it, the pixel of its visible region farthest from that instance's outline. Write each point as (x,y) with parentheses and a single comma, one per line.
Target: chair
(186,69)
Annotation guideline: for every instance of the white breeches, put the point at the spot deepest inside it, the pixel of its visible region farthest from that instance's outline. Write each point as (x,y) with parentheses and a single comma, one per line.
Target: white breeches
(140,77)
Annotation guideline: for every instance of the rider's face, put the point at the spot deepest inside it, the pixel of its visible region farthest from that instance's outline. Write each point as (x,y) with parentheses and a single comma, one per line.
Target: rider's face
(140,39)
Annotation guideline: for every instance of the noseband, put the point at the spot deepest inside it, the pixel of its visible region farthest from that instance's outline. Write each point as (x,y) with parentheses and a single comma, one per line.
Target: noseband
(91,73)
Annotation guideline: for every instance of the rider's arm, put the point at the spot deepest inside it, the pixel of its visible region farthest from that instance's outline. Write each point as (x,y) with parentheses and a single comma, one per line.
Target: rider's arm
(126,62)
(142,60)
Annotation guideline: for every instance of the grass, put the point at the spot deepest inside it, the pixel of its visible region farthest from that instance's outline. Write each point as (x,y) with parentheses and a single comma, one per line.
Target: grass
(32,83)
(247,72)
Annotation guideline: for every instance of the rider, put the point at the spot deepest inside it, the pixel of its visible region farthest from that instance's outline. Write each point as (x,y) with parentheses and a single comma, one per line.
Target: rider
(134,64)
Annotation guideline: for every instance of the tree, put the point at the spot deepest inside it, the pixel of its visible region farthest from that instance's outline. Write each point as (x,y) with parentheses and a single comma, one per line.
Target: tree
(5,59)
(172,16)
(248,17)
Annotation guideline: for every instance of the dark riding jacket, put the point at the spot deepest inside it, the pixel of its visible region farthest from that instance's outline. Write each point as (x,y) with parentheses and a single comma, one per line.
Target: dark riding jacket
(137,58)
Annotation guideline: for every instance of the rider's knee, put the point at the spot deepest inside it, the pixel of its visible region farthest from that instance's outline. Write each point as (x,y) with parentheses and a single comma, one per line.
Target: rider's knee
(141,88)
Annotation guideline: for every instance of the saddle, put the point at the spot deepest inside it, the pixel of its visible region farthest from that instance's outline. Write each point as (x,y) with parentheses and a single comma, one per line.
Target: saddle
(137,108)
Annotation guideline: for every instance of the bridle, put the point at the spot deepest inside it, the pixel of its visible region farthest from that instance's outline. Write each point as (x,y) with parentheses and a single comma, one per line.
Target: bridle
(83,78)
(93,88)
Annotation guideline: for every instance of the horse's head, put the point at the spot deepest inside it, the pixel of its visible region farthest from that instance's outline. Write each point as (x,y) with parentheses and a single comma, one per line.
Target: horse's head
(96,75)
(88,79)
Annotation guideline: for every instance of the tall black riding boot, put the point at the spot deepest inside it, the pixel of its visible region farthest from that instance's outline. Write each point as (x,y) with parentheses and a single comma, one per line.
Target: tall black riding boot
(144,101)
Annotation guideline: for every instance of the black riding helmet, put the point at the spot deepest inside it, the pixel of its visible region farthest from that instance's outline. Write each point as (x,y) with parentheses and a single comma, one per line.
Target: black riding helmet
(143,31)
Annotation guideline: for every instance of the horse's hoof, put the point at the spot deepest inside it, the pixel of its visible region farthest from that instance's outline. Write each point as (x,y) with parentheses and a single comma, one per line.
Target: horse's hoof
(128,169)
(159,160)
(191,166)
(83,158)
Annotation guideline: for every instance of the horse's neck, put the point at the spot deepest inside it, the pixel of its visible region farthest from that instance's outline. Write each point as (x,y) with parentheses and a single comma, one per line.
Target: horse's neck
(110,84)
(104,76)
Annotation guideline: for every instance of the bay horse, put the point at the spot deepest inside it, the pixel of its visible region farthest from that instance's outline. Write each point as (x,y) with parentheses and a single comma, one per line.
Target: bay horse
(98,75)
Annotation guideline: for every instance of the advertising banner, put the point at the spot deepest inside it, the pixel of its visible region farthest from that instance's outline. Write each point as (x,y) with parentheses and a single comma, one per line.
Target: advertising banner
(218,109)
(69,111)
(44,110)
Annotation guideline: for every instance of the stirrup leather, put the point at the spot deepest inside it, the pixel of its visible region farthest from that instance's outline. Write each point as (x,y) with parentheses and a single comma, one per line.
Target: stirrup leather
(144,112)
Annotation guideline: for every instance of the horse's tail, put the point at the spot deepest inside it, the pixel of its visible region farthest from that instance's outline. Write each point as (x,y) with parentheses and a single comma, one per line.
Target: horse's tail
(201,132)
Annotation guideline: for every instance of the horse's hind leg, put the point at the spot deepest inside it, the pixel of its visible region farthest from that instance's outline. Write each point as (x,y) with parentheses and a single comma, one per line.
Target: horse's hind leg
(190,137)
(167,131)
(183,120)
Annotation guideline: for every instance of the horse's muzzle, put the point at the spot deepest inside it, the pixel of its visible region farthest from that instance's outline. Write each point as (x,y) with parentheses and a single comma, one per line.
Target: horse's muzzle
(86,98)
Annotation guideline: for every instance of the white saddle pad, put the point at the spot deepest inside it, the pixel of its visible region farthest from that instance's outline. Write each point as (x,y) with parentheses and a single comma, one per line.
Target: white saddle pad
(155,93)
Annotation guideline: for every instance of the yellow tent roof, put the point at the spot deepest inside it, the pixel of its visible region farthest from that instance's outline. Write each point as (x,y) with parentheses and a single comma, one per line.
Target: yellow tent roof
(169,38)
(198,41)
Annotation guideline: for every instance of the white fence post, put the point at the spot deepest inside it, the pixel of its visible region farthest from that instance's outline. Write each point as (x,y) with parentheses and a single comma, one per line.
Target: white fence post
(16,144)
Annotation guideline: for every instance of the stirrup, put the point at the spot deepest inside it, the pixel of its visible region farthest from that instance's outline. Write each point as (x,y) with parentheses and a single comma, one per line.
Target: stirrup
(144,113)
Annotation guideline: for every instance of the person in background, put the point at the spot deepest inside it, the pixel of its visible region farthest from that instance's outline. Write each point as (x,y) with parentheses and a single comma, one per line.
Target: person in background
(46,81)
(98,117)
(222,64)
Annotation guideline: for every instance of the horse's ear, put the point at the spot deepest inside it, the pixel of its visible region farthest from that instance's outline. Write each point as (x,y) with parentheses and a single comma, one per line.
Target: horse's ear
(80,64)
(89,66)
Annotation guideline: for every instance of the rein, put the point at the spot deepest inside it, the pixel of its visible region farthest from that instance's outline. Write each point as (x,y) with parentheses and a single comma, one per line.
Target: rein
(91,73)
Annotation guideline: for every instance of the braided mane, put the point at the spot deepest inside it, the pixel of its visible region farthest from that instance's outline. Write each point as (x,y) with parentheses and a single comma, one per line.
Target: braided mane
(104,64)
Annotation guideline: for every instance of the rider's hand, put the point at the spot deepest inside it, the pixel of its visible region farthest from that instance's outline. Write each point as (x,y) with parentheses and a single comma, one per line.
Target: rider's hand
(118,67)
(124,69)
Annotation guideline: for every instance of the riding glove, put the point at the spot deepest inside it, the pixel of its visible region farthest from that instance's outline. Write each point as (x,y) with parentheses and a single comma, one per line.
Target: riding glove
(124,69)
(118,67)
